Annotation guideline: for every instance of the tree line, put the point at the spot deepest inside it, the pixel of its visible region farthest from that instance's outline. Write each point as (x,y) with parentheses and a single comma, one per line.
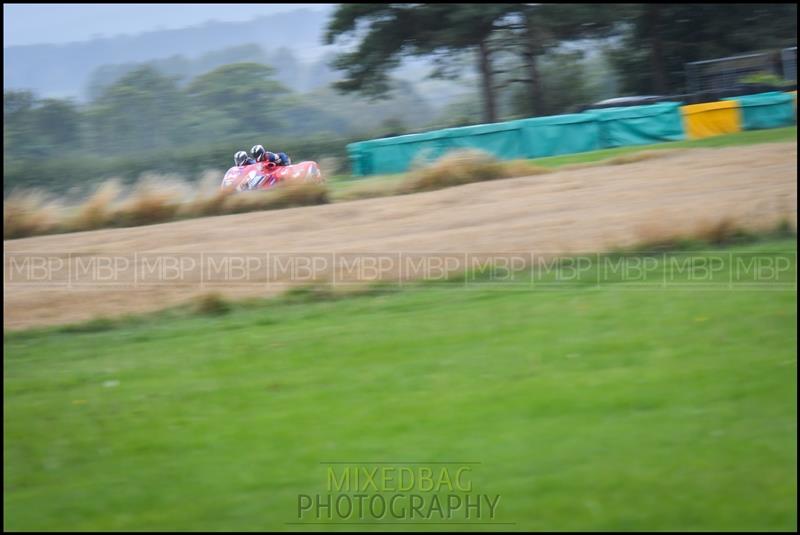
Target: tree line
(650,43)
(147,110)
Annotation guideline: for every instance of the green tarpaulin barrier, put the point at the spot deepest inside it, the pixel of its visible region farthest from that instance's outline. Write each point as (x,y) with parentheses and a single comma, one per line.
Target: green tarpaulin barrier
(394,154)
(639,125)
(559,134)
(526,138)
(766,110)
(502,140)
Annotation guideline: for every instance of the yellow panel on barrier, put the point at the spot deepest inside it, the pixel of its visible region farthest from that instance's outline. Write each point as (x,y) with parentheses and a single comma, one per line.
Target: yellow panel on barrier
(711,119)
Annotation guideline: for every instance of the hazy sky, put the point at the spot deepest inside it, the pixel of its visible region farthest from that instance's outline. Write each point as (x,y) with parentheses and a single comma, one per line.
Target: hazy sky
(27,24)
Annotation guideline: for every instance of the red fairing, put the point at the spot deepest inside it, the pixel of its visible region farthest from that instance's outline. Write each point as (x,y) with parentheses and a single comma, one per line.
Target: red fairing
(264,175)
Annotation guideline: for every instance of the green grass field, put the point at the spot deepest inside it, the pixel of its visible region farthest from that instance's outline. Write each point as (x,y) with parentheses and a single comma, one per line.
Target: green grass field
(751,137)
(610,407)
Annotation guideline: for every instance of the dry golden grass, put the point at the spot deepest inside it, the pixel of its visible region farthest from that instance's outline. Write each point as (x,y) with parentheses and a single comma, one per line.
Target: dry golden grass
(658,234)
(161,198)
(465,167)
(97,211)
(455,168)
(369,190)
(717,232)
(207,199)
(517,168)
(635,157)
(26,213)
(154,199)
(151,201)
(286,195)
(622,159)
(331,165)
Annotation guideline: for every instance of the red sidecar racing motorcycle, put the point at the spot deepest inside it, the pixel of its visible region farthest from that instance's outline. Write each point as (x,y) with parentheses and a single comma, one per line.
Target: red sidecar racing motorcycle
(265,175)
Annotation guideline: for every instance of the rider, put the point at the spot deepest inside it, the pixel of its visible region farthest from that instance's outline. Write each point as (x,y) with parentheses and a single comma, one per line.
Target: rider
(260,155)
(241,158)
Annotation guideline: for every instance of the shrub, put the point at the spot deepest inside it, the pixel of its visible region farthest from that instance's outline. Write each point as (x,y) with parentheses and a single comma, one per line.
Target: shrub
(97,211)
(211,304)
(155,199)
(283,196)
(26,213)
(464,167)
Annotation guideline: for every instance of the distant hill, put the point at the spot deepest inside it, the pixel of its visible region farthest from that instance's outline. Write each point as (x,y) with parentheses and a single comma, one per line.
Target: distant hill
(293,47)
(64,70)
(300,76)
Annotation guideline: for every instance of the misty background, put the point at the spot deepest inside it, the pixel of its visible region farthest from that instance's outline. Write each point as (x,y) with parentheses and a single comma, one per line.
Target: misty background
(76,51)
(118,90)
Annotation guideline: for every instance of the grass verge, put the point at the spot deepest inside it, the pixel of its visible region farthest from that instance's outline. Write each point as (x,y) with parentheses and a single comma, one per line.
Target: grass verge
(588,408)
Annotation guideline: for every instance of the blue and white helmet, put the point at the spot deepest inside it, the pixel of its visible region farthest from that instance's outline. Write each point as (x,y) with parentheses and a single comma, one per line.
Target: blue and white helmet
(240,158)
(258,153)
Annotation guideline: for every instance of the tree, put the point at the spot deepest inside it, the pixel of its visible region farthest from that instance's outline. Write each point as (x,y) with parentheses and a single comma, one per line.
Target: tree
(398,30)
(661,39)
(245,92)
(57,124)
(563,84)
(535,30)
(18,128)
(506,39)
(140,111)
(31,126)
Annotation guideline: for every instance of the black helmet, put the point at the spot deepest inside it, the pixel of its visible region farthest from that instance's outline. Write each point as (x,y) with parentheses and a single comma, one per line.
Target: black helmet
(240,158)
(258,153)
